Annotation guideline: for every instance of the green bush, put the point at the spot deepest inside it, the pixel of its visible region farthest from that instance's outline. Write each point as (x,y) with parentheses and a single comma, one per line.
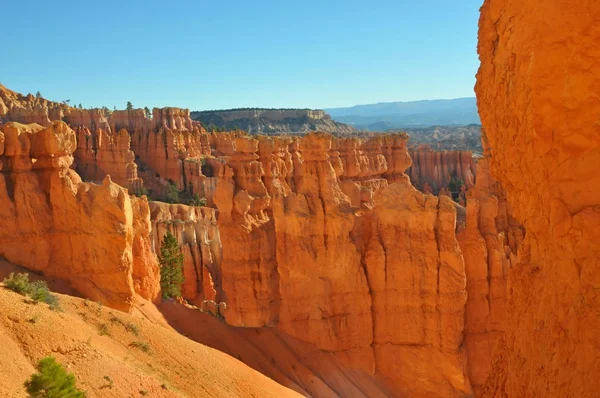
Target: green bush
(141,192)
(172,195)
(171,267)
(18,283)
(38,290)
(197,201)
(52,381)
(140,345)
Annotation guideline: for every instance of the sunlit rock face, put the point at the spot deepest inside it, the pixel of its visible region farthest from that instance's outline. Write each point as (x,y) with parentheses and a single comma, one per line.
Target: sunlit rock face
(435,170)
(537,91)
(96,237)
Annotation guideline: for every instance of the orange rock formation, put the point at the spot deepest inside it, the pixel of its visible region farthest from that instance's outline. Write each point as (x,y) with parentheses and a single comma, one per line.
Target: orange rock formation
(489,243)
(346,280)
(52,222)
(435,169)
(324,240)
(537,97)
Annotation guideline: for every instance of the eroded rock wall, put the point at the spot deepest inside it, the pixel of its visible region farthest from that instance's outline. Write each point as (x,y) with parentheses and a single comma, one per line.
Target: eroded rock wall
(537,91)
(347,277)
(433,170)
(197,232)
(489,241)
(89,235)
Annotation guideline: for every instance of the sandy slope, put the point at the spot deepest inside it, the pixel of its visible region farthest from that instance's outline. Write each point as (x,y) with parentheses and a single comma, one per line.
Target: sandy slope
(290,362)
(174,365)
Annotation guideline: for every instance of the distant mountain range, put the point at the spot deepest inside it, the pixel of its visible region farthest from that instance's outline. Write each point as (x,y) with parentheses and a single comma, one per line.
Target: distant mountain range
(394,115)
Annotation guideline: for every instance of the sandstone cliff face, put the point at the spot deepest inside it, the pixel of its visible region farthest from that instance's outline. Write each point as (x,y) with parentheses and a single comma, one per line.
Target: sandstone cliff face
(101,152)
(435,169)
(198,234)
(489,243)
(55,224)
(29,109)
(323,239)
(299,255)
(537,97)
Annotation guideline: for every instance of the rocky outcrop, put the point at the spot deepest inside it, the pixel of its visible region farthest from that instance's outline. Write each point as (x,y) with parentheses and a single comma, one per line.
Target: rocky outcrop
(301,257)
(489,243)
(100,152)
(198,234)
(28,108)
(537,97)
(89,235)
(322,239)
(436,169)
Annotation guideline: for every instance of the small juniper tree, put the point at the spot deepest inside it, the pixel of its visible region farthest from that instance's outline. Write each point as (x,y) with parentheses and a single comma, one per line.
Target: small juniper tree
(171,267)
(38,95)
(129,105)
(172,195)
(147,111)
(52,380)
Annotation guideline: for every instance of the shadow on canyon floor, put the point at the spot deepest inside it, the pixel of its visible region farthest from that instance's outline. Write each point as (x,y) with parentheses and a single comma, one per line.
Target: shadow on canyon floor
(295,364)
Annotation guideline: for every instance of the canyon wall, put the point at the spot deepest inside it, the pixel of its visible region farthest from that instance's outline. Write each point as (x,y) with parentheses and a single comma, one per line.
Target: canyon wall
(432,171)
(96,237)
(537,91)
(489,241)
(344,274)
(322,239)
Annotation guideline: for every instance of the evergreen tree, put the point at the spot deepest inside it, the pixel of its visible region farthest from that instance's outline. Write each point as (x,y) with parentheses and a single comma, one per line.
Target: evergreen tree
(171,267)
(38,95)
(129,105)
(52,380)
(147,111)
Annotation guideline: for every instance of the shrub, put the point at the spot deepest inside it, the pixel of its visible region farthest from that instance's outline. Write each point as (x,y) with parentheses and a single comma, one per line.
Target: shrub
(38,290)
(18,283)
(140,192)
(197,201)
(131,328)
(171,267)
(172,195)
(103,330)
(140,345)
(52,380)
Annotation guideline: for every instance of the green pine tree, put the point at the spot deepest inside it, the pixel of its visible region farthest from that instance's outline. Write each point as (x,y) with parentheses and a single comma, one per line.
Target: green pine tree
(171,267)
(52,381)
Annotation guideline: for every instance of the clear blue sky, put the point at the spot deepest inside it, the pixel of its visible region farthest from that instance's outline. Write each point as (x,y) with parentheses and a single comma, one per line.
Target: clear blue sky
(222,54)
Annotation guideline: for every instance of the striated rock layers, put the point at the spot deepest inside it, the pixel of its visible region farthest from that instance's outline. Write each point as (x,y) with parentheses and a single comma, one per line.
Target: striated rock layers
(537,91)
(489,242)
(433,170)
(380,282)
(197,232)
(323,239)
(94,236)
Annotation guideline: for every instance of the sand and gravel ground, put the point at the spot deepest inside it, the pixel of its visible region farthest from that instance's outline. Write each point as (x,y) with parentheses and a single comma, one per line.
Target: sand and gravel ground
(106,350)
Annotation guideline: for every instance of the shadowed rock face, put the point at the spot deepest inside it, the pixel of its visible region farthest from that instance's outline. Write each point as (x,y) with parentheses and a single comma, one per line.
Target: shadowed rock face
(537,91)
(434,170)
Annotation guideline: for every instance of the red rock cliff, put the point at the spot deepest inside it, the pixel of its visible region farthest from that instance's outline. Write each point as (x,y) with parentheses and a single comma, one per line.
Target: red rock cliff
(89,235)
(435,169)
(537,91)
(299,255)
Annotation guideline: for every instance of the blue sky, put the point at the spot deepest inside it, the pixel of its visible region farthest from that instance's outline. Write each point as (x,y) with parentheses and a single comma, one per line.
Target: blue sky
(223,54)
